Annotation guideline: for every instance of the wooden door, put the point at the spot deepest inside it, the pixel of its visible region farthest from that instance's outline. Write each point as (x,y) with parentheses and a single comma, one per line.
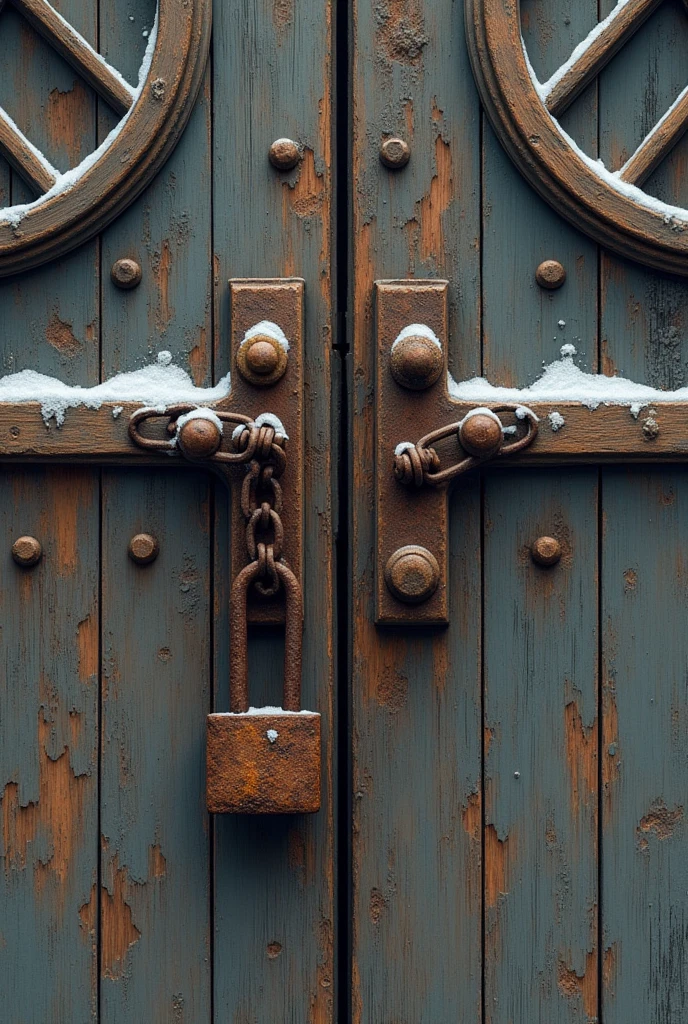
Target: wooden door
(519,775)
(120,898)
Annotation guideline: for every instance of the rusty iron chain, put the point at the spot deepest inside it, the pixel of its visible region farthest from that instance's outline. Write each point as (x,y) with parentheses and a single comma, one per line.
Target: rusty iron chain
(419,464)
(260,445)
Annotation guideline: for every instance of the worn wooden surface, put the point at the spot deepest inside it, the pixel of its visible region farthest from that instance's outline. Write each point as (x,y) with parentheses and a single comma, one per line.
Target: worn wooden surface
(416,730)
(163,914)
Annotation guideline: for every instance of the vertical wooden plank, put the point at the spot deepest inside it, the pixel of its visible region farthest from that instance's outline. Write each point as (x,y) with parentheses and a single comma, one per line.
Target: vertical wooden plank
(644,336)
(540,845)
(49,714)
(155,899)
(645,879)
(416,730)
(274,879)
(48,753)
(540,750)
(154,906)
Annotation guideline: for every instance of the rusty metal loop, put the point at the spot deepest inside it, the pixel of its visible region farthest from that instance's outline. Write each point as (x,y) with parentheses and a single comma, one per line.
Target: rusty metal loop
(278,531)
(172,414)
(265,444)
(238,636)
(419,464)
(266,561)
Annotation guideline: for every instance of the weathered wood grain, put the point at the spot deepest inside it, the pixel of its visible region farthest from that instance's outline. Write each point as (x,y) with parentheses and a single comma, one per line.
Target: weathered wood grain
(155,910)
(49,748)
(540,699)
(274,881)
(154,905)
(416,730)
(49,321)
(541,790)
(644,335)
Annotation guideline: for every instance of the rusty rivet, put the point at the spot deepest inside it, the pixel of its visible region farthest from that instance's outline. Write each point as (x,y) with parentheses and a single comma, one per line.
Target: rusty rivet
(395,154)
(546,551)
(284,154)
(416,362)
(143,548)
(126,273)
(199,438)
(481,435)
(27,551)
(550,274)
(262,360)
(412,574)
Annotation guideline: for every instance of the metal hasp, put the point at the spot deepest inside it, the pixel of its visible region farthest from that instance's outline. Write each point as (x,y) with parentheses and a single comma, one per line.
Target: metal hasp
(425,439)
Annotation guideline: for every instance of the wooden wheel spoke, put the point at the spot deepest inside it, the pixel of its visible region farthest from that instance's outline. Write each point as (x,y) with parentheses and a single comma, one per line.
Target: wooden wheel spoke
(660,141)
(24,157)
(106,81)
(588,59)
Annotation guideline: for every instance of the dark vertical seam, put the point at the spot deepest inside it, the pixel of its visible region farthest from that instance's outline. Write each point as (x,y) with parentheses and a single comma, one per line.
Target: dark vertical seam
(342,256)
(483,810)
(101,646)
(600,660)
(213,484)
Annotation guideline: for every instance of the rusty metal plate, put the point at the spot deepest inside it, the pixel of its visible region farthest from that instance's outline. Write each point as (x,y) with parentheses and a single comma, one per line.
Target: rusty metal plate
(153,115)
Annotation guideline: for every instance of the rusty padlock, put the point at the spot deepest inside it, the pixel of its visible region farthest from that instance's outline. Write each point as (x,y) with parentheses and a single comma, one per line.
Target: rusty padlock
(264,760)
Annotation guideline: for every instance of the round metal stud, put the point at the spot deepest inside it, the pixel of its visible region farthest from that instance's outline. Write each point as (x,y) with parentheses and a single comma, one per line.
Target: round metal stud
(481,435)
(199,438)
(395,154)
(416,362)
(27,551)
(284,154)
(143,548)
(262,360)
(550,274)
(412,574)
(126,273)
(546,551)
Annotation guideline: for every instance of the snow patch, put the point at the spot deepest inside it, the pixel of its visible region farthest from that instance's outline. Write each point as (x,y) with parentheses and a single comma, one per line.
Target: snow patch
(267,710)
(270,329)
(64,182)
(420,330)
(272,735)
(403,446)
(563,381)
(199,414)
(556,420)
(156,386)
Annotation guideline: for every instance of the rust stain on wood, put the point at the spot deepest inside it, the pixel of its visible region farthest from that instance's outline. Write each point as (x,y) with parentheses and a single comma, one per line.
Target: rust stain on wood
(157,864)
(376,906)
(392,688)
(495,866)
(273,950)
(58,814)
(60,335)
(87,643)
(434,205)
(69,119)
(161,266)
(630,580)
(472,816)
(610,747)
(581,755)
(571,984)
(306,195)
(659,821)
(118,931)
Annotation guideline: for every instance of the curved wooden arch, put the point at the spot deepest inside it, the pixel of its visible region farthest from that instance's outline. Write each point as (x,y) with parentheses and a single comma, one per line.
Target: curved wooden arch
(151,130)
(619,216)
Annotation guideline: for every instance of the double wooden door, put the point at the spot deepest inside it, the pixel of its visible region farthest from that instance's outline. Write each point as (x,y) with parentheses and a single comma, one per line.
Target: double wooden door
(502,836)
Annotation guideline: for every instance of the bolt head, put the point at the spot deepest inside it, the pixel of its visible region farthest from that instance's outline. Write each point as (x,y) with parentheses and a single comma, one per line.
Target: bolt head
(395,153)
(284,154)
(143,548)
(550,274)
(262,360)
(412,574)
(199,438)
(546,551)
(416,362)
(27,551)
(126,273)
(481,435)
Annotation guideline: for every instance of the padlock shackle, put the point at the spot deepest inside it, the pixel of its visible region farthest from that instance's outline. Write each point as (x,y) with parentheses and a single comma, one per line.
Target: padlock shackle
(238,638)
